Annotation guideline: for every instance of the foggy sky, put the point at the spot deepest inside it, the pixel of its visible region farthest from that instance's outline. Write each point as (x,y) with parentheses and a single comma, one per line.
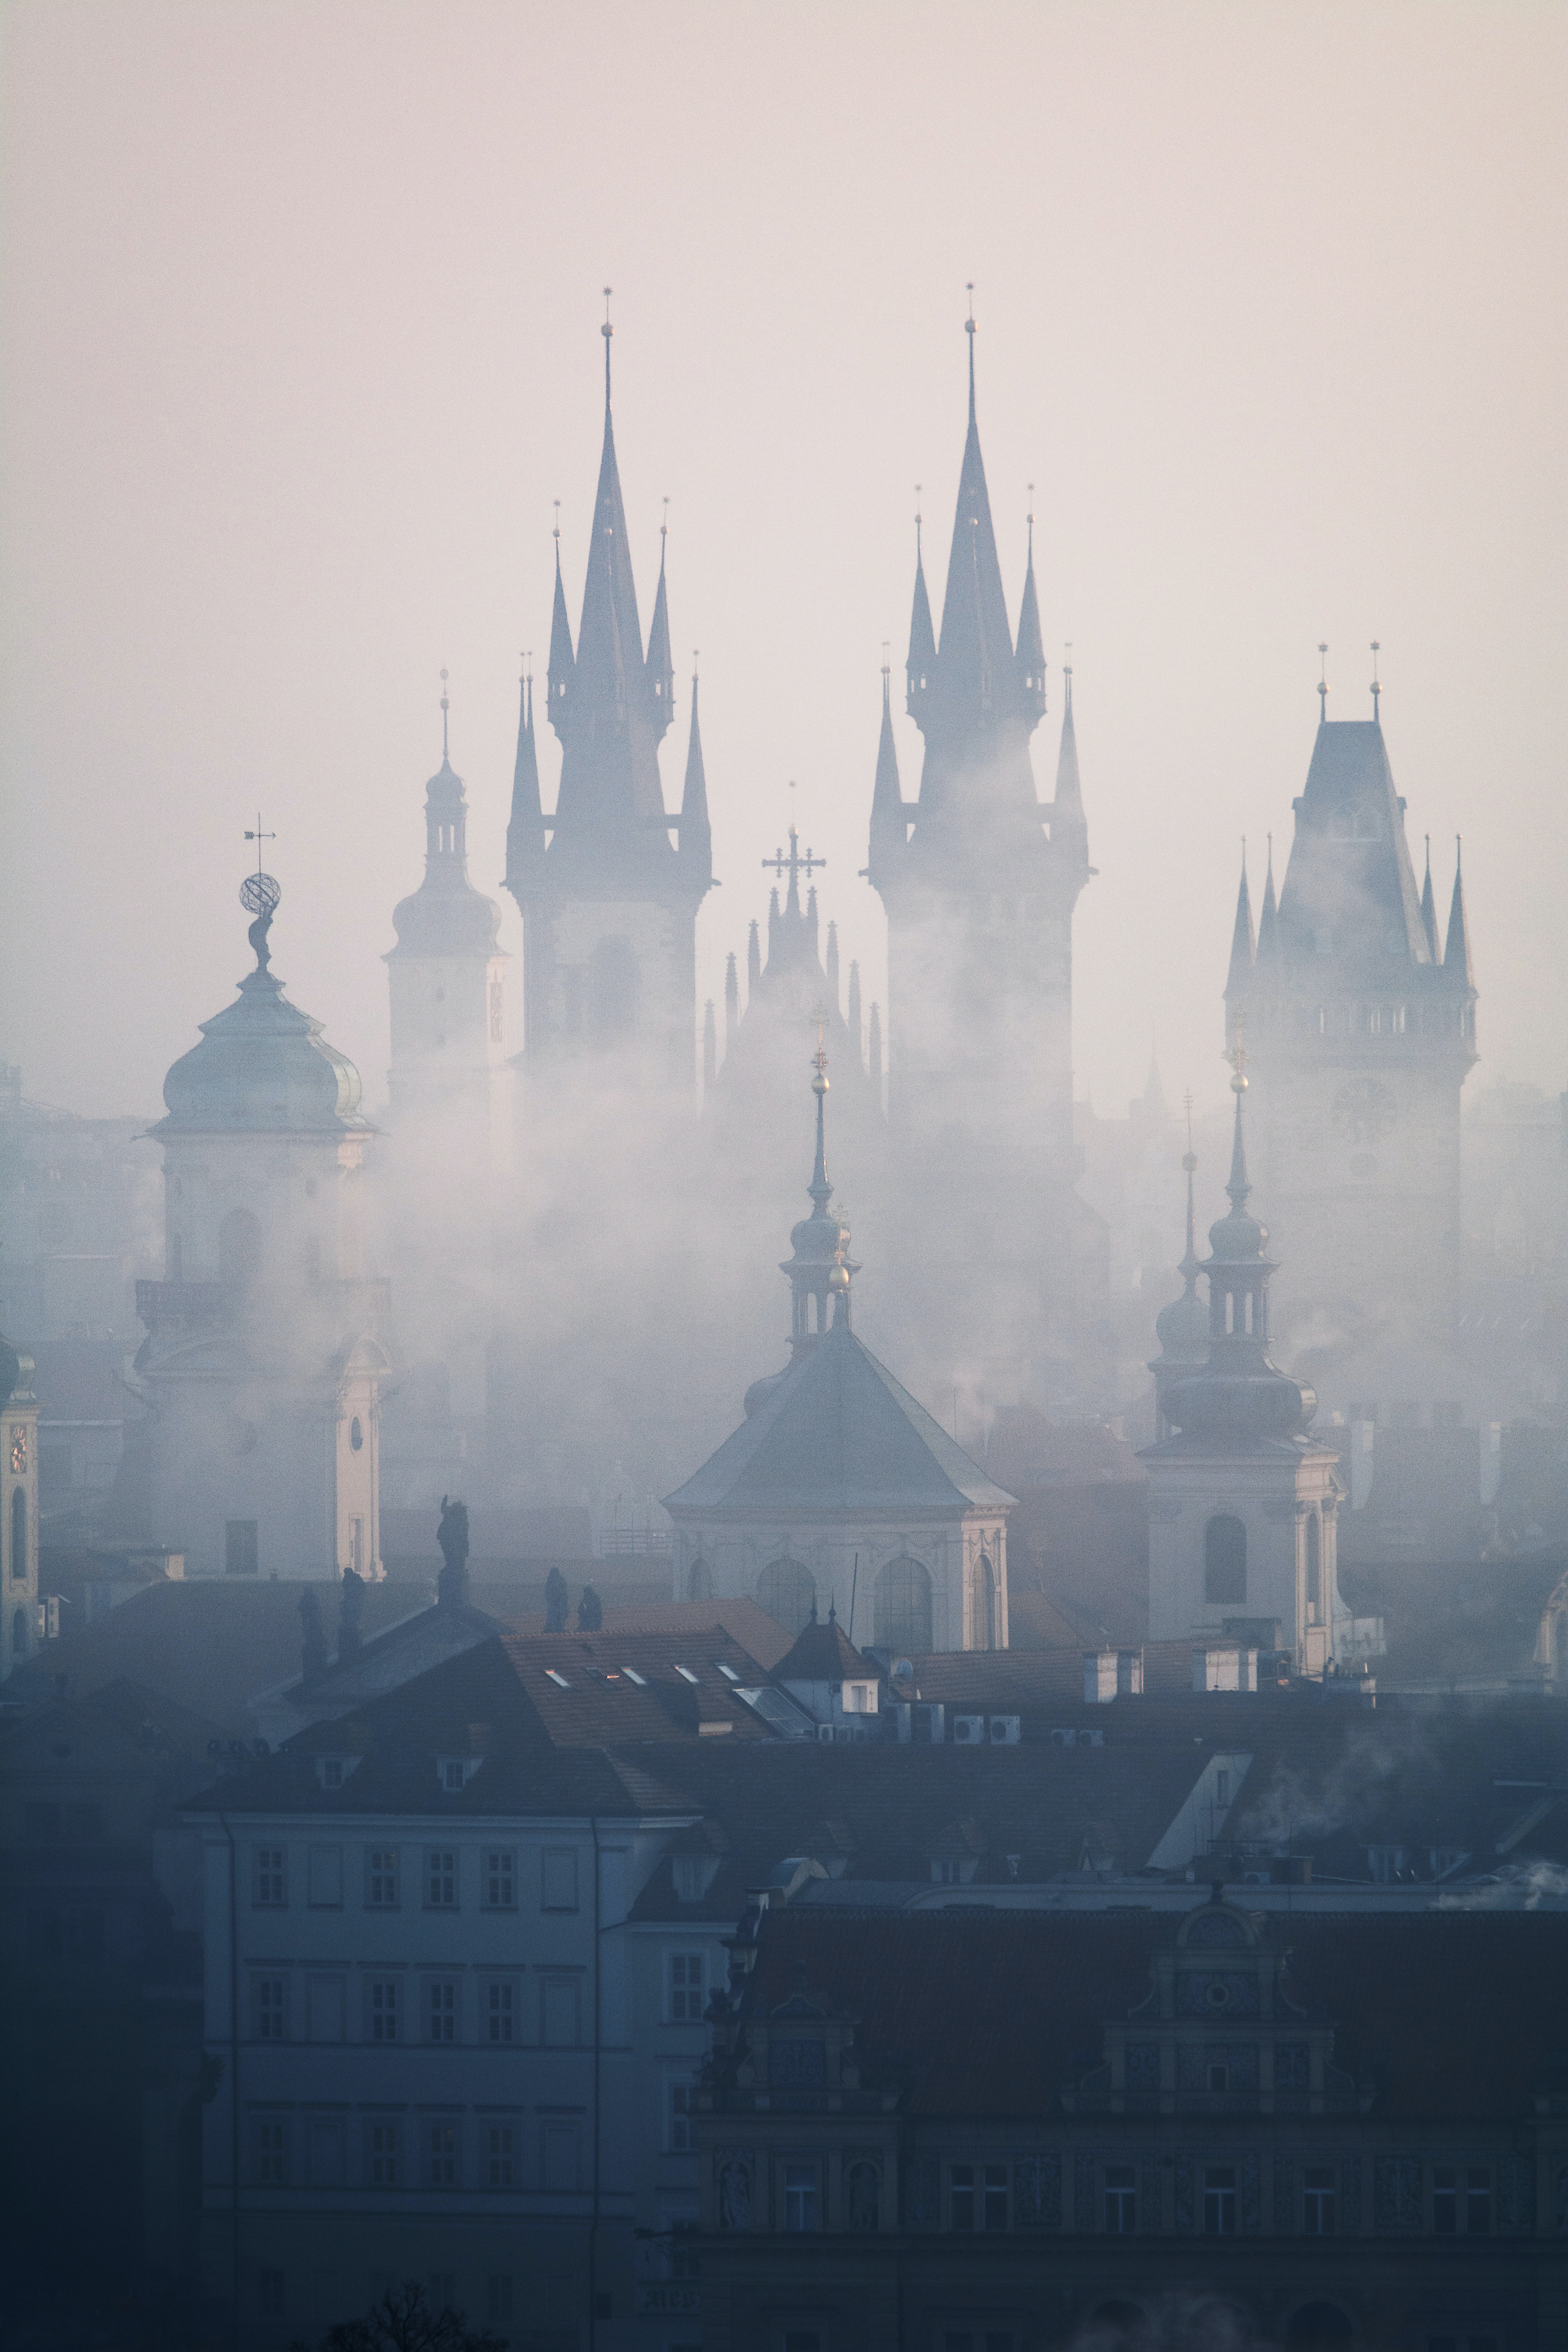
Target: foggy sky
(301,312)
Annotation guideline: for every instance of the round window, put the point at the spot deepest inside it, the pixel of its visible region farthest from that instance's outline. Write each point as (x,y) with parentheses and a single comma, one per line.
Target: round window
(356,1434)
(1218,1995)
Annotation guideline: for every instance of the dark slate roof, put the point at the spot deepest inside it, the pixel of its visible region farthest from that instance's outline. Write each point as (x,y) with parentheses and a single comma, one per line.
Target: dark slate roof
(1363,886)
(1447,2016)
(821,1653)
(838,1434)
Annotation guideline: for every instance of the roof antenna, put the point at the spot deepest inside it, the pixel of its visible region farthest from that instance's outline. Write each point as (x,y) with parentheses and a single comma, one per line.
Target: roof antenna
(1377,689)
(1322,684)
(606,331)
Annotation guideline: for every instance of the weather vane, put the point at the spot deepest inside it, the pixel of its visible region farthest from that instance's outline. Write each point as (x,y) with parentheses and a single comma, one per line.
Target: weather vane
(260,895)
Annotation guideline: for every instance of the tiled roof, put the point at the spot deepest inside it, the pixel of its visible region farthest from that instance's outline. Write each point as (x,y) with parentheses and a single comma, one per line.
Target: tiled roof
(839,1433)
(821,1653)
(1449,2016)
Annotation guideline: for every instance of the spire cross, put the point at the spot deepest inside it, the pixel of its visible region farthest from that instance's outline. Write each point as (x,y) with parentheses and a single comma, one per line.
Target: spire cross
(1323,683)
(555,534)
(606,331)
(258,838)
(794,864)
(1377,689)
(445,754)
(969,330)
(1067,666)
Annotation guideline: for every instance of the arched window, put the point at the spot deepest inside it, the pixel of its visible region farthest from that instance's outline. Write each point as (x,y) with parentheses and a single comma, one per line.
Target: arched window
(901,1602)
(1225,1559)
(356,1434)
(699,1580)
(19,1535)
(787,1590)
(238,1249)
(19,1635)
(1314,1571)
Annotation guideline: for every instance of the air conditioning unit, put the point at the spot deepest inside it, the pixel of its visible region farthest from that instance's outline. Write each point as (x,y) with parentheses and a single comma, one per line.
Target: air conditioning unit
(968,1730)
(1006,1730)
(1072,1737)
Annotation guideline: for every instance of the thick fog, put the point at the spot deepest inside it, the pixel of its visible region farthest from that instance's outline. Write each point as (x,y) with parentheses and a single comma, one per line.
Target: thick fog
(302,347)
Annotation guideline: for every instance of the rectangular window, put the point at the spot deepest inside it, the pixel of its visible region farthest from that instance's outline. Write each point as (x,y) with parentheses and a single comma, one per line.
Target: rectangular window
(1444,2201)
(441,2156)
(269,1890)
(269,2295)
(441,2291)
(800,2196)
(269,2000)
(1219,2200)
(383,1992)
(687,1998)
(324,1878)
(441,2009)
(501,2007)
(558,1884)
(498,2295)
(241,1553)
(961,2197)
(1478,2201)
(558,2000)
(441,1879)
(500,1880)
(269,2153)
(681,2136)
(1121,2199)
(995,2196)
(385,2148)
(500,2157)
(381,1879)
(1319,2186)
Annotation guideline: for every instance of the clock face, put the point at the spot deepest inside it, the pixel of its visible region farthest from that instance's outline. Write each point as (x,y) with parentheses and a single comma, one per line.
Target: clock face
(18,1451)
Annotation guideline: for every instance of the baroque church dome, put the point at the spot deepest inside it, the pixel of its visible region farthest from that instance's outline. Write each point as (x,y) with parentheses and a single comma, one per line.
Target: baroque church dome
(262,1064)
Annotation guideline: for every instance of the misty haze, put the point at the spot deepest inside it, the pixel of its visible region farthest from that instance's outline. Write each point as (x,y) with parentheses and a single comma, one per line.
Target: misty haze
(784,1178)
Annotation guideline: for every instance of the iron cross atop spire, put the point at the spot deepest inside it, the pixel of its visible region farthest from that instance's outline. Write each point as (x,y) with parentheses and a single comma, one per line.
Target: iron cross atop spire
(794,864)
(607,330)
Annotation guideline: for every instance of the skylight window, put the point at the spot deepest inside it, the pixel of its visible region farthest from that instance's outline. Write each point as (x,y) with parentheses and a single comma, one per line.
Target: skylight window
(686,1674)
(728,1672)
(632,1676)
(560,1680)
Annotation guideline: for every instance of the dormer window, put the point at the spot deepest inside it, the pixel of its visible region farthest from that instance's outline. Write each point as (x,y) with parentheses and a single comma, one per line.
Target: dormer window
(693,1874)
(455,1772)
(331,1771)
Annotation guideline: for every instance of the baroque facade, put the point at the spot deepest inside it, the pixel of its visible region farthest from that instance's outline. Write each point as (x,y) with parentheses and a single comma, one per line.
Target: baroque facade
(838,1481)
(266,1345)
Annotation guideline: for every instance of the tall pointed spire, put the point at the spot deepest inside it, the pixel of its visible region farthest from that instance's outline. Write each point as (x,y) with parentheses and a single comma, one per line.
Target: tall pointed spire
(525,827)
(853,1015)
(563,661)
(830,964)
(975,651)
(709,1049)
(1243,943)
(920,669)
(1457,966)
(696,834)
(1030,657)
(888,831)
(817,1267)
(1268,920)
(660,668)
(874,1053)
(1429,910)
(1070,827)
(753,961)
